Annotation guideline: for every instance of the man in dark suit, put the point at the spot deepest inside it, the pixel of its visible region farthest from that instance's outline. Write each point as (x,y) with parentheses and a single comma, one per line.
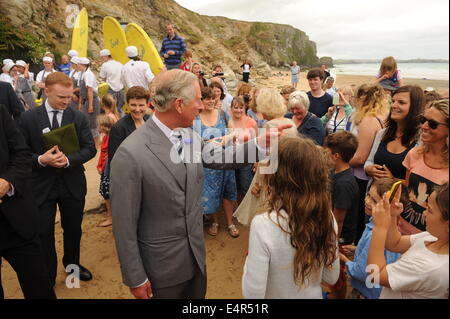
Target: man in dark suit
(9,99)
(19,243)
(58,178)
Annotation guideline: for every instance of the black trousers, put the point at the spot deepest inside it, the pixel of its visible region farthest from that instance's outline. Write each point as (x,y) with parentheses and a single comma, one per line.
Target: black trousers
(245,76)
(361,218)
(194,288)
(71,211)
(25,257)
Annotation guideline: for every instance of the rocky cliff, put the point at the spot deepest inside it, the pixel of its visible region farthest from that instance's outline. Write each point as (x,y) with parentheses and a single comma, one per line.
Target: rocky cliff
(212,39)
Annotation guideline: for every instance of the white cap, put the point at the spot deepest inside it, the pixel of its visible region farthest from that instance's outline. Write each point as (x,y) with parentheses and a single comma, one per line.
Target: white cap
(21,63)
(47,59)
(74,60)
(72,53)
(429,89)
(8,66)
(105,52)
(132,51)
(6,61)
(83,61)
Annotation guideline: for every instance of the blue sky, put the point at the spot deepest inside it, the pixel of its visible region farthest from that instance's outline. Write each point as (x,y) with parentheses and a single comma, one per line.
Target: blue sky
(346,29)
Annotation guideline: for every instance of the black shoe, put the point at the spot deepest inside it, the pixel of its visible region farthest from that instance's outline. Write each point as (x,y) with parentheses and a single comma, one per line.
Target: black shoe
(85,275)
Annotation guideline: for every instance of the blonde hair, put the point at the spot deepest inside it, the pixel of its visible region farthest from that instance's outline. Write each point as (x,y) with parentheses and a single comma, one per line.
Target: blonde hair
(388,65)
(105,122)
(371,101)
(442,107)
(298,99)
(346,89)
(301,187)
(271,104)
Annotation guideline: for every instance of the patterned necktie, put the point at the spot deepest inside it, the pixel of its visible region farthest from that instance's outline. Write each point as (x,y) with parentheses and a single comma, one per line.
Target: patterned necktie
(179,144)
(55,123)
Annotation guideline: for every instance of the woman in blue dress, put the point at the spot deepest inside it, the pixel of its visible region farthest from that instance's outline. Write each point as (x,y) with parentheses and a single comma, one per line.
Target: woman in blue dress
(219,185)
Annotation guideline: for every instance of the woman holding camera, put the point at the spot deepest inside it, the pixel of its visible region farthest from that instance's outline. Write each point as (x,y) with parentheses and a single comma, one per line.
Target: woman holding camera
(197,70)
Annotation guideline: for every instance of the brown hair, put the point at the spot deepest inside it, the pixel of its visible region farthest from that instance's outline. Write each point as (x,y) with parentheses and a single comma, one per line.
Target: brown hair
(214,84)
(105,121)
(343,143)
(301,187)
(315,73)
(432,96)
(206,93)
(137,92)
(243,88)
(187,54)
(288,89)
(442,200)
(58,78)
(109,103)
(388,65)
(384,185)
(238,100)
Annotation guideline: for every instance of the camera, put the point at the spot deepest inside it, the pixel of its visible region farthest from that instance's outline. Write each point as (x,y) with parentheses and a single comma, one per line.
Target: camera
(246,97)
(218,74)
(201,73)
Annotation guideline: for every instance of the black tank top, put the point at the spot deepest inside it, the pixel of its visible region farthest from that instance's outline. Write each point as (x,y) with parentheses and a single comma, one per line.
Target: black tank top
(391,160)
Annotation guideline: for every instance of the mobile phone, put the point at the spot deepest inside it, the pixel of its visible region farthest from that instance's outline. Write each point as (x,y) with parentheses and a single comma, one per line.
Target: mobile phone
(336,99)
(394,190)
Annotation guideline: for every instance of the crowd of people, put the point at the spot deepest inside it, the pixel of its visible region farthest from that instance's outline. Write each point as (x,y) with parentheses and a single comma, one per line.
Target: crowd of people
(322,217)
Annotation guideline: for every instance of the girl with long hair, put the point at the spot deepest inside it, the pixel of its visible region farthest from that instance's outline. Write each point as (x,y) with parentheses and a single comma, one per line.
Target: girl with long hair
(293,247)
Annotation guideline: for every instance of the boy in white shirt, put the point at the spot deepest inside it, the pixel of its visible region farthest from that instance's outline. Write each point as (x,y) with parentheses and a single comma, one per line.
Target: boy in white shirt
(422,270)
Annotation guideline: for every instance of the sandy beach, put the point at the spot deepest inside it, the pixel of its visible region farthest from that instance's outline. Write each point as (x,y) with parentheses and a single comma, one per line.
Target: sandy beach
(225,255)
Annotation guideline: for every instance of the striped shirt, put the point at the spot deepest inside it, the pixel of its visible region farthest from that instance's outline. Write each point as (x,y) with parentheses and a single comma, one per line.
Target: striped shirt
(177,45)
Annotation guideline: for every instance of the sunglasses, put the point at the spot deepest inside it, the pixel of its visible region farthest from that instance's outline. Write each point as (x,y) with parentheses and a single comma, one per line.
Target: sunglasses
(431,123)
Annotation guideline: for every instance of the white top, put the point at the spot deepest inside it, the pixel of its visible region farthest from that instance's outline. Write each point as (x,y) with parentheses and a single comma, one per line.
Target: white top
(226,103)
(419,273)
(90,80)
(43,75)
(75,74)
(331,91)
(4,77)
(137,73)
(111,71)
(269,269)
(246,68)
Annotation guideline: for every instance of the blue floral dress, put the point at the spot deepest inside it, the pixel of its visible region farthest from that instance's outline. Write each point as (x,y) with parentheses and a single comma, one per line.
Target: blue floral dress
(218,184)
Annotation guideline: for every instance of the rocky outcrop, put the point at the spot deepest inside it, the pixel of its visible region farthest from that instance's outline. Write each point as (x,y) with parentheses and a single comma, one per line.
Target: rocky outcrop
(212,39)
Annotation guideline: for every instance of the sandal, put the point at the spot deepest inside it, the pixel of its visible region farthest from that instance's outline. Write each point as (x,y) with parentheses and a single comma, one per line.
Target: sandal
(213,229)
(233,231)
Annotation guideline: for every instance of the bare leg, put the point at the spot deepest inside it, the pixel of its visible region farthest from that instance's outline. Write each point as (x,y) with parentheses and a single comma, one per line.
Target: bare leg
(108,221)
(228,209)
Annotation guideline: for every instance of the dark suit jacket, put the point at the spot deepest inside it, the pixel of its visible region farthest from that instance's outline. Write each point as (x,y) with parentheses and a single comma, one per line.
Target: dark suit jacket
(119,132)
(33,122)
(9,99)
(15,166)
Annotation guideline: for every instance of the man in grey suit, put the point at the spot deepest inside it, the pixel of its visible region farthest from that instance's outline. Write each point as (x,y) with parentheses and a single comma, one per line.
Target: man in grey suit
(155,198)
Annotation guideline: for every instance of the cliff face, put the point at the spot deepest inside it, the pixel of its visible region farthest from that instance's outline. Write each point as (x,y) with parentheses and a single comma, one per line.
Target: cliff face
(212,39)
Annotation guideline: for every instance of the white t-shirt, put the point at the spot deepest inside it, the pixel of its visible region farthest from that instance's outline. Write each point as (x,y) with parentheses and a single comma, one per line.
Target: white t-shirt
(111,71)
(137,73)
(226,103)
(419,273)
(43,75)
(90,80)
(4,77)
(75,74)
(269,267)
(246,68)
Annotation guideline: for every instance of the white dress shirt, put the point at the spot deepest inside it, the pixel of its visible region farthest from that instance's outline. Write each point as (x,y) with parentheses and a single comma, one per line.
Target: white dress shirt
(50,114)
(137,73)
(89,79)
(111,71)
(4,77)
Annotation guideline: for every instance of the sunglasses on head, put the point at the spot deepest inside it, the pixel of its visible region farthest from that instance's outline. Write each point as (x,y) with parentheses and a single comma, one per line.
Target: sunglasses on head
(431,123)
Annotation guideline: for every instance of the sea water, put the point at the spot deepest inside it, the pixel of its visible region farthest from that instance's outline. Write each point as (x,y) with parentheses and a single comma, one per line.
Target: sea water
(429,71)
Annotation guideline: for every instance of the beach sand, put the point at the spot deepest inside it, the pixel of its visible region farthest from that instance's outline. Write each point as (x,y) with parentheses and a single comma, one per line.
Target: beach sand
(225,255)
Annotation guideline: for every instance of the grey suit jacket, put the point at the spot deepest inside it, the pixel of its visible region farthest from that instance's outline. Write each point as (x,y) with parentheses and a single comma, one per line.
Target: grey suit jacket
(157,217)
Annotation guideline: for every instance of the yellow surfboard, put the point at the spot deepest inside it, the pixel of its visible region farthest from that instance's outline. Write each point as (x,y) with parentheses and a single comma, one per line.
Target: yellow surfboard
(147,51)
(80,34)
(115,40)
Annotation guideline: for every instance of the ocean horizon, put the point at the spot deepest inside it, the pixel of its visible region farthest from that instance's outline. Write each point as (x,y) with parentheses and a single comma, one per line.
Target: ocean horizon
(429,71)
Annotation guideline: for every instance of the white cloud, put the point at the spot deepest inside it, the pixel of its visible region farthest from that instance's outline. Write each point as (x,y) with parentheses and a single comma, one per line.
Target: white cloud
(350,28)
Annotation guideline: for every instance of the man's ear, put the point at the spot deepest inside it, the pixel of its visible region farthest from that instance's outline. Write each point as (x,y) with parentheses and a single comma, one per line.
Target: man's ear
(178,104)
